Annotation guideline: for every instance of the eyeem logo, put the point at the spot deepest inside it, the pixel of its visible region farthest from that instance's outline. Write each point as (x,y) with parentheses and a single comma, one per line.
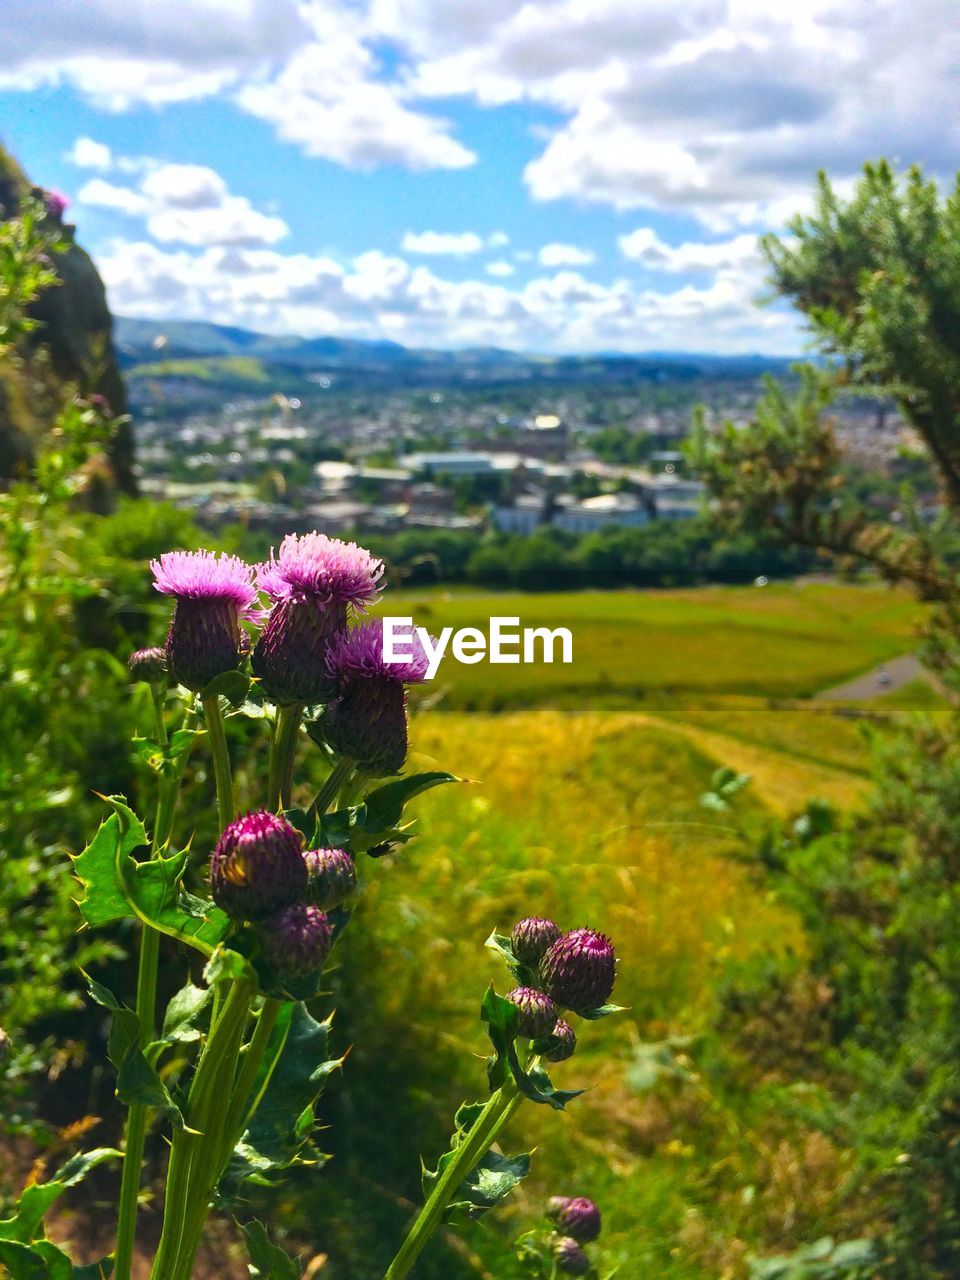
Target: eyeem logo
(506,643)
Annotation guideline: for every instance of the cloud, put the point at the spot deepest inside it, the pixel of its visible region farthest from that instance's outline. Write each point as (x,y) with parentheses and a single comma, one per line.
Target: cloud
(332,100)
(118,54)
(100,194)
(645,246)
(302,67)
(564,255)
(187,204)
(379,293)
(458,243)
(498,240)
(499,269)
(718,108)
(723,110)
(88,154)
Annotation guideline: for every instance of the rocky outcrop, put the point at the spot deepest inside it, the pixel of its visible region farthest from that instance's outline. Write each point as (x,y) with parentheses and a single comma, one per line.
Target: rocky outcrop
(75,334)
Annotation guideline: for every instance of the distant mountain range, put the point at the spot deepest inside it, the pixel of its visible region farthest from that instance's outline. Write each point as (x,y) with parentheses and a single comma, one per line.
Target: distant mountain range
(151,342)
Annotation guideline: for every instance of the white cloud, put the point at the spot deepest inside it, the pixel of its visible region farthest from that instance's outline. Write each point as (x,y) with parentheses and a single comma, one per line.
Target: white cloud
(499,269)
(303,67)
(187,204)
(185,186)
(720,108)
(498,240)
(331,100)
(380,293)
(88,154)
(233,222)
(118,54)
(645,246)
(458,243)
(564,255)
(100,194)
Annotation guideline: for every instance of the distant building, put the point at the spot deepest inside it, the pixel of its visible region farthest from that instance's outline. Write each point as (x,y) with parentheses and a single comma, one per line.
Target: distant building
(668,460)
(458,464)
(675,498)
(524,515)
(332,515)
(602,512)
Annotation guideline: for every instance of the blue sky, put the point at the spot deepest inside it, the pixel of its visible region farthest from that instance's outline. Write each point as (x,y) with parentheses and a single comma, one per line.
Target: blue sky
(547,175)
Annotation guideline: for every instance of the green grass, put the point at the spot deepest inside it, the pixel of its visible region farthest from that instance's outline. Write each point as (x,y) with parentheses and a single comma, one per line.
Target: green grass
(588,818)
(238,371)
(784,640)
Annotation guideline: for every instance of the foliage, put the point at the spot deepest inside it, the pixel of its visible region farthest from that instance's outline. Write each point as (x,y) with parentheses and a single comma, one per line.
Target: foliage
(876,276)
(664,553)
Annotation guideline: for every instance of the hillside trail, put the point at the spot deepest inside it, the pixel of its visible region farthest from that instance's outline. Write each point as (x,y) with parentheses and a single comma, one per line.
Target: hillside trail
(882,680)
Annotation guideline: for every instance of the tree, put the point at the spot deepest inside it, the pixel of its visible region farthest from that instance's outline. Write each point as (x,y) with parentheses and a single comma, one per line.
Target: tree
(878,280)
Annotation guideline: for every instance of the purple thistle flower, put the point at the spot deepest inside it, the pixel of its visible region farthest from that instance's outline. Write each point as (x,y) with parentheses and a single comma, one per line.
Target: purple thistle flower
(358,655)
(213,594)
(149,666)
(331,877)
(570,1257)
(325,570)
(368,722)
(579,970)
(575,1216)
(538,1013)
(530,938)
(563,1032)
(55,203)
(297,940)
(311,581)
(257,866)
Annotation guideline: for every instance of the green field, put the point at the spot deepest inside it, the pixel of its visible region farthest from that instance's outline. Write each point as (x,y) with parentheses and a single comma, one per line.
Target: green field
(782,640)
(226,371)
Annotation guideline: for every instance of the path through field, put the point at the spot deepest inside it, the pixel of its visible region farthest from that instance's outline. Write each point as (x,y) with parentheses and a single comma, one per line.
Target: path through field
(884,679)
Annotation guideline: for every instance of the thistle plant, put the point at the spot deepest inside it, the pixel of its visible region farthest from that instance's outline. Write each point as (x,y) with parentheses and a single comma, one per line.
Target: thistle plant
(556,1248)
(230,1072)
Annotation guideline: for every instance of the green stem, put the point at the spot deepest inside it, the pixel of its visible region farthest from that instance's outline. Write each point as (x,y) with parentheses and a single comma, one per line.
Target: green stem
(477,1143)
(138,1114)
(338,776)
(146,1011)
(221,759)
(242,1106)
(282,752)
(192,1171)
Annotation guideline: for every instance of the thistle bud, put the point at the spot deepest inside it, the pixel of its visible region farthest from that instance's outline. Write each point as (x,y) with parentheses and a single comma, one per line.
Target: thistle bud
(297,940)
(257,867)
(311,581)
(579,970)
(538,1013)
(213,594)
(570,1257)
(576,1216)
(331,877)
(368,721)
(563,1032)
(149,666)
(530,938)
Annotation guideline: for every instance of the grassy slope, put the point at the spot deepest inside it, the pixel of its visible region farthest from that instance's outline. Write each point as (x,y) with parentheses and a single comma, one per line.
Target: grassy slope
(593,819)
(592,816)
